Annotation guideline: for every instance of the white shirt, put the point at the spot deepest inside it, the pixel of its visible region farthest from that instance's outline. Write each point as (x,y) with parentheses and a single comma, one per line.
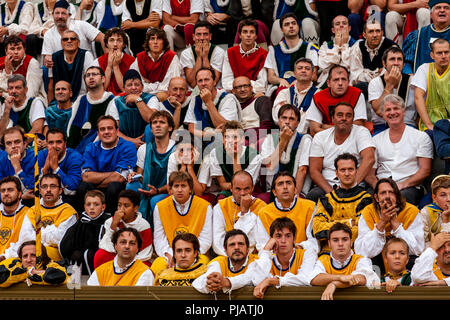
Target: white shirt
(329,57)
(399,160)
(156,6)
(358,73)
(196,6)
(37,110)
(160,241)
(247,222)
(28,21)
(142,151)
(420,78)
(323,146)
(422,270)
(187,58)
(116,10)
(370,243)
(145,279)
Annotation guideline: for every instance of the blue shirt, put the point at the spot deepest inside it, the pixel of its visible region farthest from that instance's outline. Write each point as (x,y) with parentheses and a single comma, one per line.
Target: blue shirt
(27,164)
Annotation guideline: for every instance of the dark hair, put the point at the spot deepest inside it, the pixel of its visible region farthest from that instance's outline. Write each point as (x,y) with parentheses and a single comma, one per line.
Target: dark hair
(95,193)
(332,109)
(131,195)
(100,70)
(204,24)
(179,176)
(392,49)
(13,40)
(232,125)
(213,74)
(164,114)
(283,222)
(51,175)
(115,236)
(117,31)
(339,226)
(12,179)
(345,156)
(160,34)
(107,117)
(288,106)
(43,259)
(337,66)
(188,237)
(17,77)
(282,174)
(232,233)
(287,15)
(303,59)
(401,203)
(11,130)
(56,131)
(248,22)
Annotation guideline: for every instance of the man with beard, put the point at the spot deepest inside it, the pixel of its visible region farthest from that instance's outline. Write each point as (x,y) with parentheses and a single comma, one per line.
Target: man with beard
(13,212)
(58,113)
(238,211)
(63,161)
(18,109)
(230,272)
(87,109)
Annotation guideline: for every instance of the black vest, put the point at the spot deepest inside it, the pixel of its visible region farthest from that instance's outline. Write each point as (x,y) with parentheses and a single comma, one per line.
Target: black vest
(377,61)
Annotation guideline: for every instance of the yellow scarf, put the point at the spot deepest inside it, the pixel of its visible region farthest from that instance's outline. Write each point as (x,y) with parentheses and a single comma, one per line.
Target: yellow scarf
(107,277)
(225,267)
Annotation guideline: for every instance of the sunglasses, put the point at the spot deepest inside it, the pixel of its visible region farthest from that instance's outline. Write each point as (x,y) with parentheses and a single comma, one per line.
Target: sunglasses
(69,38)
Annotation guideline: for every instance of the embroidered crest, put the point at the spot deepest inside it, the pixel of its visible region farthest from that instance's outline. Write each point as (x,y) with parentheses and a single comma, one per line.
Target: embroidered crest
(5,234)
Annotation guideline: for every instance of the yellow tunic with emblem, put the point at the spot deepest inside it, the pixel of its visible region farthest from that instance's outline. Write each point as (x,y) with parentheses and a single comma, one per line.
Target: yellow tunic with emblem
(230,210)
(225,267)
(107,277)
(174,277)
(51,216)
(300,214)
(296,263)
(406,217)
(10,226)
(325,259)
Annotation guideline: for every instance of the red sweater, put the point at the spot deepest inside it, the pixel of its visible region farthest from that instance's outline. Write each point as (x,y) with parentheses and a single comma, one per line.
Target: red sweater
(154,71)
(124,65)
(248,66)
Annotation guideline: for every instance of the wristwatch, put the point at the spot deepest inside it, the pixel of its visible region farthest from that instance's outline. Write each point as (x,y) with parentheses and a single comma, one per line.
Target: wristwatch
(138,100)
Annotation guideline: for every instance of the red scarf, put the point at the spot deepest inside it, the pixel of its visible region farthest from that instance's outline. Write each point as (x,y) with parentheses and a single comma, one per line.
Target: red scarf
(323,100)
(124,65)
(154,71)
(248,66)
(23,67)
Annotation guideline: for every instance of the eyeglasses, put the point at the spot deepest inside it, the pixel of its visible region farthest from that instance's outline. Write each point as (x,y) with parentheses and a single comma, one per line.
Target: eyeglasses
(69,38)
(93,74)
(244,86)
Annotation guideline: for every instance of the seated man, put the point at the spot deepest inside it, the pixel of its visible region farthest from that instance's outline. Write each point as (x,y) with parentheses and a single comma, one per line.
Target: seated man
(137,17)
(17,160)
(256,109)
(231,156)
(109,14)
(69,64)
(86,110)
(179,213)
(125,269)
(211,108)
(157,64)
(336,51)
(177,101)
(32,269)
(126,216)
(61,160)
(179,19)
(287,203)
(441,139)
(116,61)
(150,178)
(366,57)
(81,241)
(87,11)
(430,84)
(388,215)
(132,110)
(201,54)
(19,109)
(16,61)
(344,136)
(416,45)
(107,163)
(59,112)
(396,255)
(338,90)
(344,204)
(239,211)
(246,59)
(403,153)
(299,94)
(404,17)
(44,12)
(53,217)
(287,150)
(187,266)
(435,216)
(281,263)
(230,272)
(341,268)
(13,213)
(432,268)
(391,81)
(280,61)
